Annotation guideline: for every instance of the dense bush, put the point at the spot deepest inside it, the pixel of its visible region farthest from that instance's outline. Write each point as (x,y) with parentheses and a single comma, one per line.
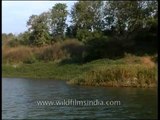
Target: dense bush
(75,48)
(14,42)
(103,47)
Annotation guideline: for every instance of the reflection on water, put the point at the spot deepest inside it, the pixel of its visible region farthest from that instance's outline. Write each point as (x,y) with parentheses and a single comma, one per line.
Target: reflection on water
(19,98)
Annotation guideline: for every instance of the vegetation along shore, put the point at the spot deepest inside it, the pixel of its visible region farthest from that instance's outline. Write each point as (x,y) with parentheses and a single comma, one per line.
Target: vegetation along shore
(105,44)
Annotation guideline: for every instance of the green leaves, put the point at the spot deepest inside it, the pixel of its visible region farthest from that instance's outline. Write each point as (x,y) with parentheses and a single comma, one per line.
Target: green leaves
(39,29)
(58,19)
(128,16)
(87,17)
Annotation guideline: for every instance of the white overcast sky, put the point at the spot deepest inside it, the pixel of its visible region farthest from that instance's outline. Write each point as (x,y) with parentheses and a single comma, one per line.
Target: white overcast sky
(15,14)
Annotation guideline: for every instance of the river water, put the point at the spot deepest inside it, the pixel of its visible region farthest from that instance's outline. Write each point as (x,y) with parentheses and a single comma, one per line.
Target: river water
(20,101)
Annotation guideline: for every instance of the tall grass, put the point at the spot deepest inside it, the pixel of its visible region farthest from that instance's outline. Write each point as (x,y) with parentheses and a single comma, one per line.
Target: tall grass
(57,52)
(16,55)
(53,53)
(118,75)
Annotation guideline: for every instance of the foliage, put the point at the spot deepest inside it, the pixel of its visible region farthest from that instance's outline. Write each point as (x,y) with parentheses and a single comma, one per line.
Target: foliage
(58,20)
(39,30)
(87,17)
(107,29)
(103,47)
(75,48)
(14,42)
(24,38)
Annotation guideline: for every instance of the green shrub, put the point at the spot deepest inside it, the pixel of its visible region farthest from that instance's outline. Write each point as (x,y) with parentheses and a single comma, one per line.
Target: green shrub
(13,43)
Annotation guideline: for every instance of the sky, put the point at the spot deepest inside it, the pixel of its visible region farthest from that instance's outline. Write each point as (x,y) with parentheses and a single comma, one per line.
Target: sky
(15,14)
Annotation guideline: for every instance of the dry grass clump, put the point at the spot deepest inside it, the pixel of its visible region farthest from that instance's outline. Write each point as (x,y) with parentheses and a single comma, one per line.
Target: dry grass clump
(16,54)
(53,53)
(56,52)
(145,60)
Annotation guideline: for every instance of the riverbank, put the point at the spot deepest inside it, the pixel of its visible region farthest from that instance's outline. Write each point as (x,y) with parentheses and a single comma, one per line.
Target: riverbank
(125,72)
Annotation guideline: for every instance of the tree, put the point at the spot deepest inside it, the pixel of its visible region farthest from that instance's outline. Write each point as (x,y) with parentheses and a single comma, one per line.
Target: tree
(58,20)
(131,19)
(39,29)
(87,18)
(24,38)
(127,16)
